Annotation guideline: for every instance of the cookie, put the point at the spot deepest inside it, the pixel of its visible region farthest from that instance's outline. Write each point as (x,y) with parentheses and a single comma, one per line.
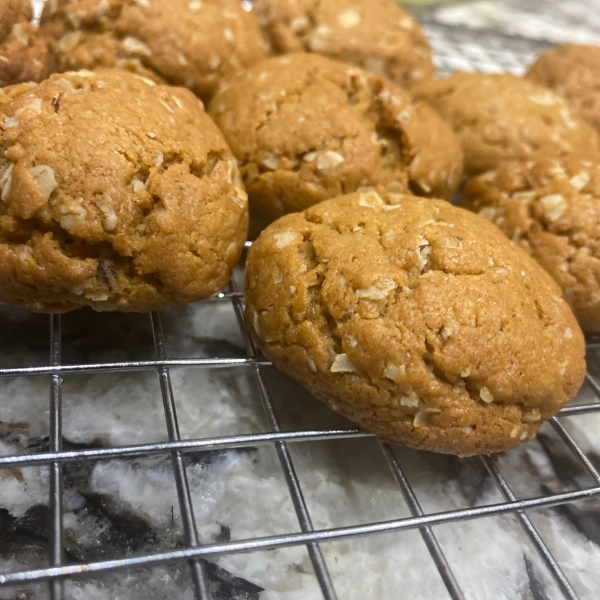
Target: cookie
(194,43)
(415,319)
(551,208)
(305,128)
(115,193)
(503,118)
(23,51)
(377,35)
(573,72)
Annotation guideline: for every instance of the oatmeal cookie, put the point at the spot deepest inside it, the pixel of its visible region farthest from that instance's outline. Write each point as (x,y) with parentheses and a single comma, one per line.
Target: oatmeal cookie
(115,193)
(551,208)
(305,128)
(418,320)
(23,51)
(503,118)
(377,35)
(573,72)
(195,43)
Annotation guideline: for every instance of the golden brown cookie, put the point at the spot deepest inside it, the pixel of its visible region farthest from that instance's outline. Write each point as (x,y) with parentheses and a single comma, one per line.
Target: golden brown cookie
(551,208)
(305,128)
(573,72)
(194,43)
(115,193)
(377,35)
(23,51)
(418,320)
(503,118)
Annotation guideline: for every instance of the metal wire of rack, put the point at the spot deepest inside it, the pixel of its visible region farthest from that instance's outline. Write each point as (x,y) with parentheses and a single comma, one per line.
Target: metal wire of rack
(56,458)
(450,54)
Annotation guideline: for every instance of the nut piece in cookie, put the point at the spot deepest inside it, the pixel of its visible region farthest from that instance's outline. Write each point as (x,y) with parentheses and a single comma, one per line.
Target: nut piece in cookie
(573,72)
(115,193)
(193,43)
(305,128)
(417,320)
(23,51)
(377,35)
(551,208)
(503,118)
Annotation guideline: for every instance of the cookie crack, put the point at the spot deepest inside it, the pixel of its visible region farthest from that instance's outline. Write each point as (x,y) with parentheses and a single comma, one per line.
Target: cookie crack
(101,22)
(313,25)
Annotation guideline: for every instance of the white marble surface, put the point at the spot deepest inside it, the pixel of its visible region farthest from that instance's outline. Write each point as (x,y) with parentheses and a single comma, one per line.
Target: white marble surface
(555,21)
(243,494)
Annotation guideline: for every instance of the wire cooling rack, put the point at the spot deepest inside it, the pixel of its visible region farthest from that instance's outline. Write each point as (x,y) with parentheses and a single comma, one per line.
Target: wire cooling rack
(453,52)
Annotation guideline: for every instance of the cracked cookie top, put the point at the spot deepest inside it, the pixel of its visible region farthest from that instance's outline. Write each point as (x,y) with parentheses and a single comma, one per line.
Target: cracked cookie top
(551,208)
(377,35)
(419,321)
(503,118)
(573,72)
(193,43)
(115,193)
(23,52)
(305,128)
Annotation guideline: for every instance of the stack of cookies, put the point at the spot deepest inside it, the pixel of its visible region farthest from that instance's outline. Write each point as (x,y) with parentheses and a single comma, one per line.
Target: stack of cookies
(441,328)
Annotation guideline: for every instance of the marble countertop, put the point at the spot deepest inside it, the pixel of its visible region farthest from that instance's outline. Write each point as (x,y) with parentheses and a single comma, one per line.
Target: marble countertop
(554,21)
